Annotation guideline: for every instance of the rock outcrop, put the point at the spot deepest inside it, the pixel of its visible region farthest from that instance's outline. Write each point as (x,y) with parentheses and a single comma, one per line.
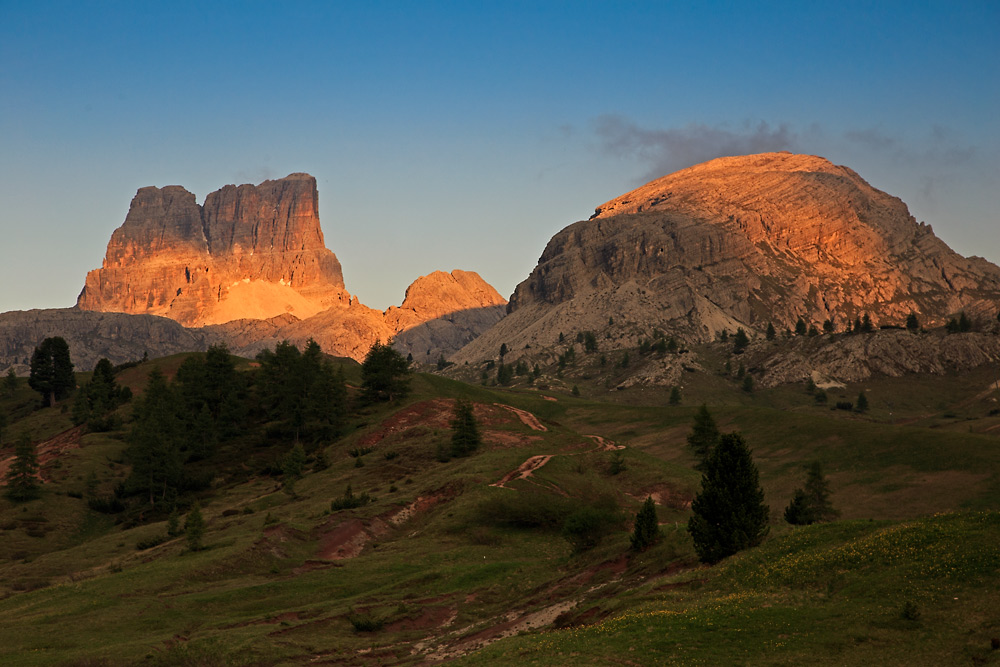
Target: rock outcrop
(91,335)
(440,314)
(251,266)
(249,252)
(741,242)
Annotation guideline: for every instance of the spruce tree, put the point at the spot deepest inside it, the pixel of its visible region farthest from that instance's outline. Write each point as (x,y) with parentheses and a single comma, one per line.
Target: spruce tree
(465,437)
(51,372)
(21,481)
(194,528)
(10,382)
(800,327)
(704,435)
(771,333)
(740,341)
(729,512)
(292,466)
(155,442)
(675,396)
(964,323)
(812,503)
(861,405)
(646,532)
(384,374)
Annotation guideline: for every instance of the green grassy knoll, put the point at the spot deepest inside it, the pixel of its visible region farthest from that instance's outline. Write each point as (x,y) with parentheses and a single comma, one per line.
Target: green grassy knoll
(851,593)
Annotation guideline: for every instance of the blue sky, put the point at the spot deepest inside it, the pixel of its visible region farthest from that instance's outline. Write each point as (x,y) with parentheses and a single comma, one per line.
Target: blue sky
(450,135)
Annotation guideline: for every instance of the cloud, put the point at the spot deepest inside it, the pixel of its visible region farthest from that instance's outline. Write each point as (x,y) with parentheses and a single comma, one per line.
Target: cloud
(667,150)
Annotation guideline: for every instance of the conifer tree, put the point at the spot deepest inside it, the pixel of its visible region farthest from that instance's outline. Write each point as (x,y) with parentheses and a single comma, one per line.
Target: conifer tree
(675,395)
(21,482)
(729,512)
(912,323)
(646,532)
(740,341)
(52,370)
(384,374)
(194,528)
(800,327)
(155,442)
(771,333)
(10,382)
(3,425)
(812,503)
(465,437)
(292,466)
(861,405)
(704,435)
(964,323)
(866,324)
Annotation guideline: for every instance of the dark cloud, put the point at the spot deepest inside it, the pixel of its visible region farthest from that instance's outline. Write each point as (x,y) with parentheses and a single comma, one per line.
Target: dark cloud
(667,150)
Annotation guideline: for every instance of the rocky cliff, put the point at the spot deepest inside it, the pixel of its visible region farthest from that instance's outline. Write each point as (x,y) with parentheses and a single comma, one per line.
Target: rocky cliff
(251,266)
(741,242)
(250,251)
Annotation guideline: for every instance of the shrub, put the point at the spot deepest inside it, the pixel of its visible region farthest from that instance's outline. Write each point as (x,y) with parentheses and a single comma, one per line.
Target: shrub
(349,500)
(587,526)
(365,622)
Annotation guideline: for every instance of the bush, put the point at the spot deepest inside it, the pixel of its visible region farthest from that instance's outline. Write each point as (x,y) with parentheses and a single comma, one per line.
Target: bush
(587,526)
(365,622)
(525,509)
(349,500)
(150,542)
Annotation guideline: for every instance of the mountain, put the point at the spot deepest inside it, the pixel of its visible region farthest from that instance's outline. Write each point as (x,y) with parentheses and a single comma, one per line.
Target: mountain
(251,267)
(741,242)
(250,251)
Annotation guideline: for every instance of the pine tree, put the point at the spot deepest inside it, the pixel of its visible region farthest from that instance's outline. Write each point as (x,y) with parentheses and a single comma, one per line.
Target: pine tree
(912,323)
(866,324)
(729,512)
(828,326)
(964,323)
(465,437)
(292,466)
(10,382)
(812,503)
(155,442)
(771,333)
(675,396)
(704,435)
(800,327)
(861,405)
(646,532)
(740,341)
(384,374)
(51,372)
(21,482)
(194,528)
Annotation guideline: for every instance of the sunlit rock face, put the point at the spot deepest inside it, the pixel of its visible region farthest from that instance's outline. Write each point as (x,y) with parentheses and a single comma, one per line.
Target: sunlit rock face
(741,242)
(248,252)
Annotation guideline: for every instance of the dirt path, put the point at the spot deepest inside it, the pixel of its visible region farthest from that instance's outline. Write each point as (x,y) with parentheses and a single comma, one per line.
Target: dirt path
(526,469)
(528,419)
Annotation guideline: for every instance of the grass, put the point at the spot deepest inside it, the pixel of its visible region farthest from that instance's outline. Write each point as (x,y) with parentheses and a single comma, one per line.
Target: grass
(76,588)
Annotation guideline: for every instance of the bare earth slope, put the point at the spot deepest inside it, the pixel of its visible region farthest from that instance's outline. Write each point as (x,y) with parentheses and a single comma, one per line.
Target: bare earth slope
(740,242)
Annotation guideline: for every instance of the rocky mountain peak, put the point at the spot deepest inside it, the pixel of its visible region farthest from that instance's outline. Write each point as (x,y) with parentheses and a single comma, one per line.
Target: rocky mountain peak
(742,242)
(249,251)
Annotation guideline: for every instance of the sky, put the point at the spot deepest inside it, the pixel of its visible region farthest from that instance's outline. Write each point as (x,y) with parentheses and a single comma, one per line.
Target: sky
(463,135)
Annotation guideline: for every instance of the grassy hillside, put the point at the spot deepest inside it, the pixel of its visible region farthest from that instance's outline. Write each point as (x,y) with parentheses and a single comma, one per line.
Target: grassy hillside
(443,563)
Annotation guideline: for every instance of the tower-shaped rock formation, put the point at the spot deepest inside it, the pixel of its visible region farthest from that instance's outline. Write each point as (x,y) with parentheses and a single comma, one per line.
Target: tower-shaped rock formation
(249,252)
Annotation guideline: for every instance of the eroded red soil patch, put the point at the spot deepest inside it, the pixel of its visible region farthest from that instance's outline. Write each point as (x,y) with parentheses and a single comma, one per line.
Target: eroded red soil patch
(48,452)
